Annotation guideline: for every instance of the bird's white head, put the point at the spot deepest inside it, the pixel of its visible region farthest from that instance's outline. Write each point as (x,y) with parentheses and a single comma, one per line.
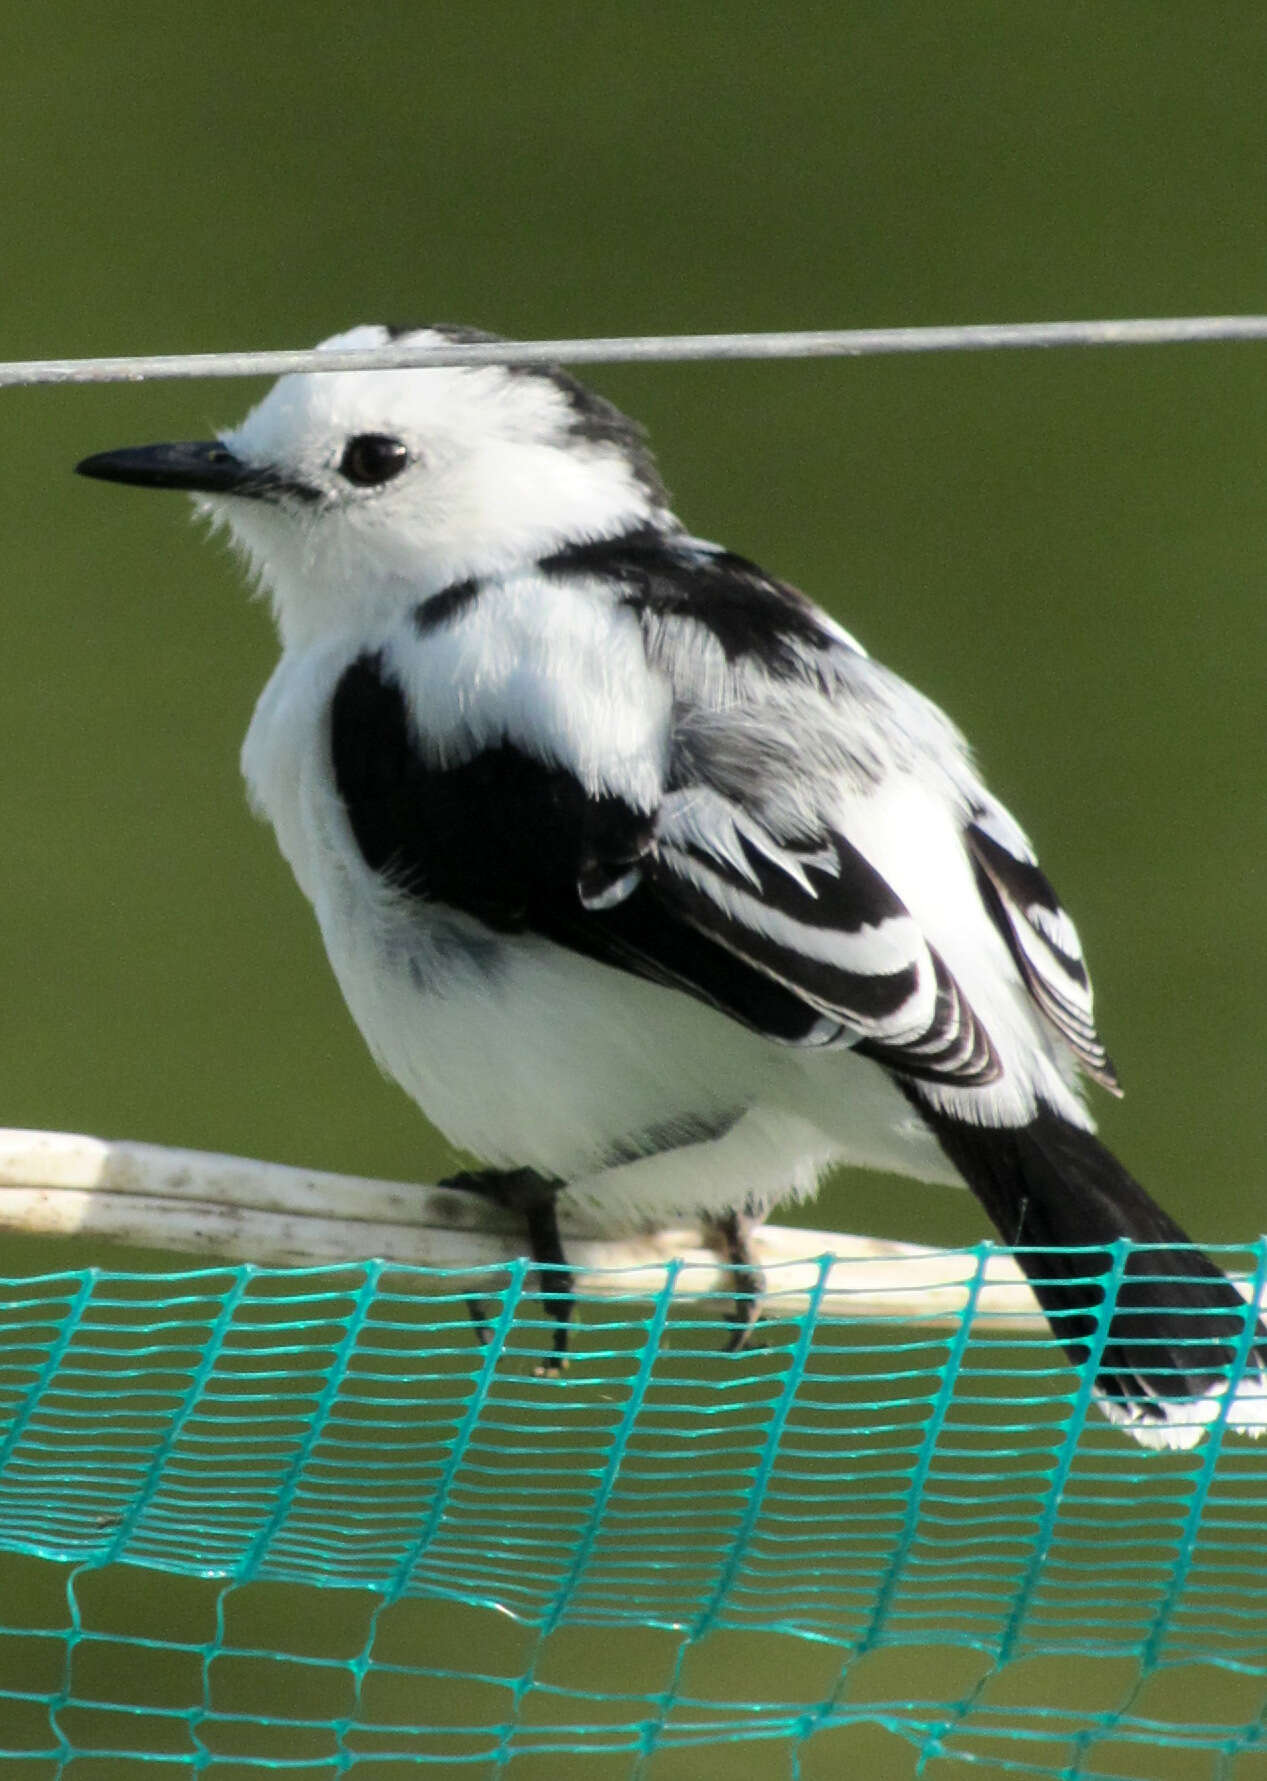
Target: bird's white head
(355,493)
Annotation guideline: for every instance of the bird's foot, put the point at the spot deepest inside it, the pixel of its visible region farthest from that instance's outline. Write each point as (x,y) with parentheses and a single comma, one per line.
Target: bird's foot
(729,1237)
(533,1197)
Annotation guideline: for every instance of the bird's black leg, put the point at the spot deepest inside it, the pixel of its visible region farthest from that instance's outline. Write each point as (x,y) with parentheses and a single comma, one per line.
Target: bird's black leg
(533,1197)
(556,1281)
(730,1238)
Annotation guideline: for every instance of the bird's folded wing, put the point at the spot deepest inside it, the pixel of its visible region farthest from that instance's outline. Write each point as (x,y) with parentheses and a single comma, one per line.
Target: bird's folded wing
(818,922)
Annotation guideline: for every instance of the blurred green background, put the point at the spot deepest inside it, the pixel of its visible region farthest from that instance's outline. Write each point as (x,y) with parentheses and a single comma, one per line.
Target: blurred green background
(1068,551)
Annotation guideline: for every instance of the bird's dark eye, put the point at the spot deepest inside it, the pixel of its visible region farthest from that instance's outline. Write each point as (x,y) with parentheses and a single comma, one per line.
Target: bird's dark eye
(372,458)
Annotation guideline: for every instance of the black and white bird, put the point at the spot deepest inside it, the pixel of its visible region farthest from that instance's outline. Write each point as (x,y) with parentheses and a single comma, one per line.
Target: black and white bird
(641,877)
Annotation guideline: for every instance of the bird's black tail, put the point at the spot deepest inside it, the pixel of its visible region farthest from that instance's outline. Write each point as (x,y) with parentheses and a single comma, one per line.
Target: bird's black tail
(1179,1331)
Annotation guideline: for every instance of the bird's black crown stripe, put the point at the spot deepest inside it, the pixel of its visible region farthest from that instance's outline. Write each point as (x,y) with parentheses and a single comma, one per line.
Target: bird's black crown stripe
(594,419)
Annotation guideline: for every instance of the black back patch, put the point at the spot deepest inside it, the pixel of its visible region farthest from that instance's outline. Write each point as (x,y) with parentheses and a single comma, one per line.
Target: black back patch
(748,612)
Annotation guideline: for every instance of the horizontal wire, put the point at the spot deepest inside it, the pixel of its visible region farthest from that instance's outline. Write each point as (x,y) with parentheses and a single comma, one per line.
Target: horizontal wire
(813,343)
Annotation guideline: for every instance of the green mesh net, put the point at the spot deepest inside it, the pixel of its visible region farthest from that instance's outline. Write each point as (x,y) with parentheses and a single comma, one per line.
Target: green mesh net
(296,1520)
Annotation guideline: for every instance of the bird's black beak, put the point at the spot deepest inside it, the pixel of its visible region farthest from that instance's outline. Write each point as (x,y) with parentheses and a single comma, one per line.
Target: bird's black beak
(203,467)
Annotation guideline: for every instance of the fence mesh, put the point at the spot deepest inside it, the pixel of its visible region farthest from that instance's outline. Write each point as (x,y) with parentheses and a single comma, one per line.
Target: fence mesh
(296,1520)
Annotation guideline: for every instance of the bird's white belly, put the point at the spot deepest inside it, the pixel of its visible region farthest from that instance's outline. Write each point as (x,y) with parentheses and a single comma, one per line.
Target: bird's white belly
(525,1054)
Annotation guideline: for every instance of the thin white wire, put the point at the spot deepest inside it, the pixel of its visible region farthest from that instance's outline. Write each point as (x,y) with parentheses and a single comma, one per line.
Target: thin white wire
(648,349)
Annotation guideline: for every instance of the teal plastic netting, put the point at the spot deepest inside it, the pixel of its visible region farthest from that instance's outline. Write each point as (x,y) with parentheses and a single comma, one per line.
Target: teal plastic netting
(295,1520)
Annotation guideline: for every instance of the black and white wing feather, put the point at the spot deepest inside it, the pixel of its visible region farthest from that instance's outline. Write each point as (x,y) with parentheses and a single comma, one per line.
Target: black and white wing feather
(816,918)
(1042,938)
